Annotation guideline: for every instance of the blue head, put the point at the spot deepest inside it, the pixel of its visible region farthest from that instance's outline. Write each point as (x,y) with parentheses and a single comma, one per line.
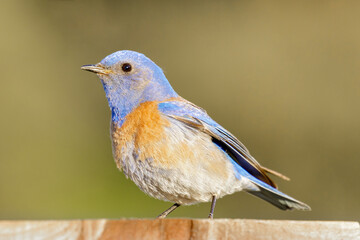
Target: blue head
(130,78)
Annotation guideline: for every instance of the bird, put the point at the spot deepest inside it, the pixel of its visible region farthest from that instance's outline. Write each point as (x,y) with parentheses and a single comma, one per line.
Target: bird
(171,148)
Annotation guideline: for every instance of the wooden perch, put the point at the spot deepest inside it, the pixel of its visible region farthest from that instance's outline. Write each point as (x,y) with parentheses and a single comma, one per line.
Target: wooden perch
(173,229)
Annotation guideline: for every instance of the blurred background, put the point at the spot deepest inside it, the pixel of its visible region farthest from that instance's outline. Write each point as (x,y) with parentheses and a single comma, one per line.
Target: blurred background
(281,76)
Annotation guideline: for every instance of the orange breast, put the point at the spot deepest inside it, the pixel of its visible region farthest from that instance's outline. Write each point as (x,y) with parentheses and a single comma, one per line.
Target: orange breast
(142,128)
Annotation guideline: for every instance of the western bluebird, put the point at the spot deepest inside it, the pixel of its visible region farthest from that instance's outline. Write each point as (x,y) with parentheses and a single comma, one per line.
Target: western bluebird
(169,147)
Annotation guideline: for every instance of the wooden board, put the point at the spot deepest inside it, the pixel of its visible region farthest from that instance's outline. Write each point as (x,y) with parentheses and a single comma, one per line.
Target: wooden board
(196,229)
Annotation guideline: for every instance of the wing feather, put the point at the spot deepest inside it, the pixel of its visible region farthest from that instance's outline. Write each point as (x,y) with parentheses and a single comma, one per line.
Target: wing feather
(197,118)
(232,146)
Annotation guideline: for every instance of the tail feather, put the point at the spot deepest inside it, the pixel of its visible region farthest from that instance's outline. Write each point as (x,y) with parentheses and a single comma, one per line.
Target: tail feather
(278,199)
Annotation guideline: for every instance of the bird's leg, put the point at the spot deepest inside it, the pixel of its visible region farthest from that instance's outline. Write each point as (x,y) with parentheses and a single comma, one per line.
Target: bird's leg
(213,202)
(169,210)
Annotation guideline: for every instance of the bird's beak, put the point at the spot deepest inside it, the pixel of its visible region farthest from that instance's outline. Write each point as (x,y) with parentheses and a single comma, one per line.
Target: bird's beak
(96,69)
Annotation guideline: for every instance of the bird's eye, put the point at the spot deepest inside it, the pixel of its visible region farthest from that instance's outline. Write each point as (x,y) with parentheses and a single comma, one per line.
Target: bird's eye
(126,67)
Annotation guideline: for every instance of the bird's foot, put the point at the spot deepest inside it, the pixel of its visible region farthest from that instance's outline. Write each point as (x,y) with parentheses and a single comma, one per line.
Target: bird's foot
(169,210)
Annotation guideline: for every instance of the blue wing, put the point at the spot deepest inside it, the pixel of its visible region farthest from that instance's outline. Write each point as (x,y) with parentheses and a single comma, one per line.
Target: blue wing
(197,118)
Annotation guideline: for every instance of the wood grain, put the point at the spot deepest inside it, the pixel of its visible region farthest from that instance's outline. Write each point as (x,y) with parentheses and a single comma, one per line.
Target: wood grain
(178,229)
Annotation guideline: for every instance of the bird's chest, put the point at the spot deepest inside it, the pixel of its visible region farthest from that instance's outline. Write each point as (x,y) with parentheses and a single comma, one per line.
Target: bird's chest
(138,139)
(140,150)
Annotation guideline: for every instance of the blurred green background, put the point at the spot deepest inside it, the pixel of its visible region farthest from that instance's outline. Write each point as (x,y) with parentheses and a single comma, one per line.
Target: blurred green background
(282,76)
